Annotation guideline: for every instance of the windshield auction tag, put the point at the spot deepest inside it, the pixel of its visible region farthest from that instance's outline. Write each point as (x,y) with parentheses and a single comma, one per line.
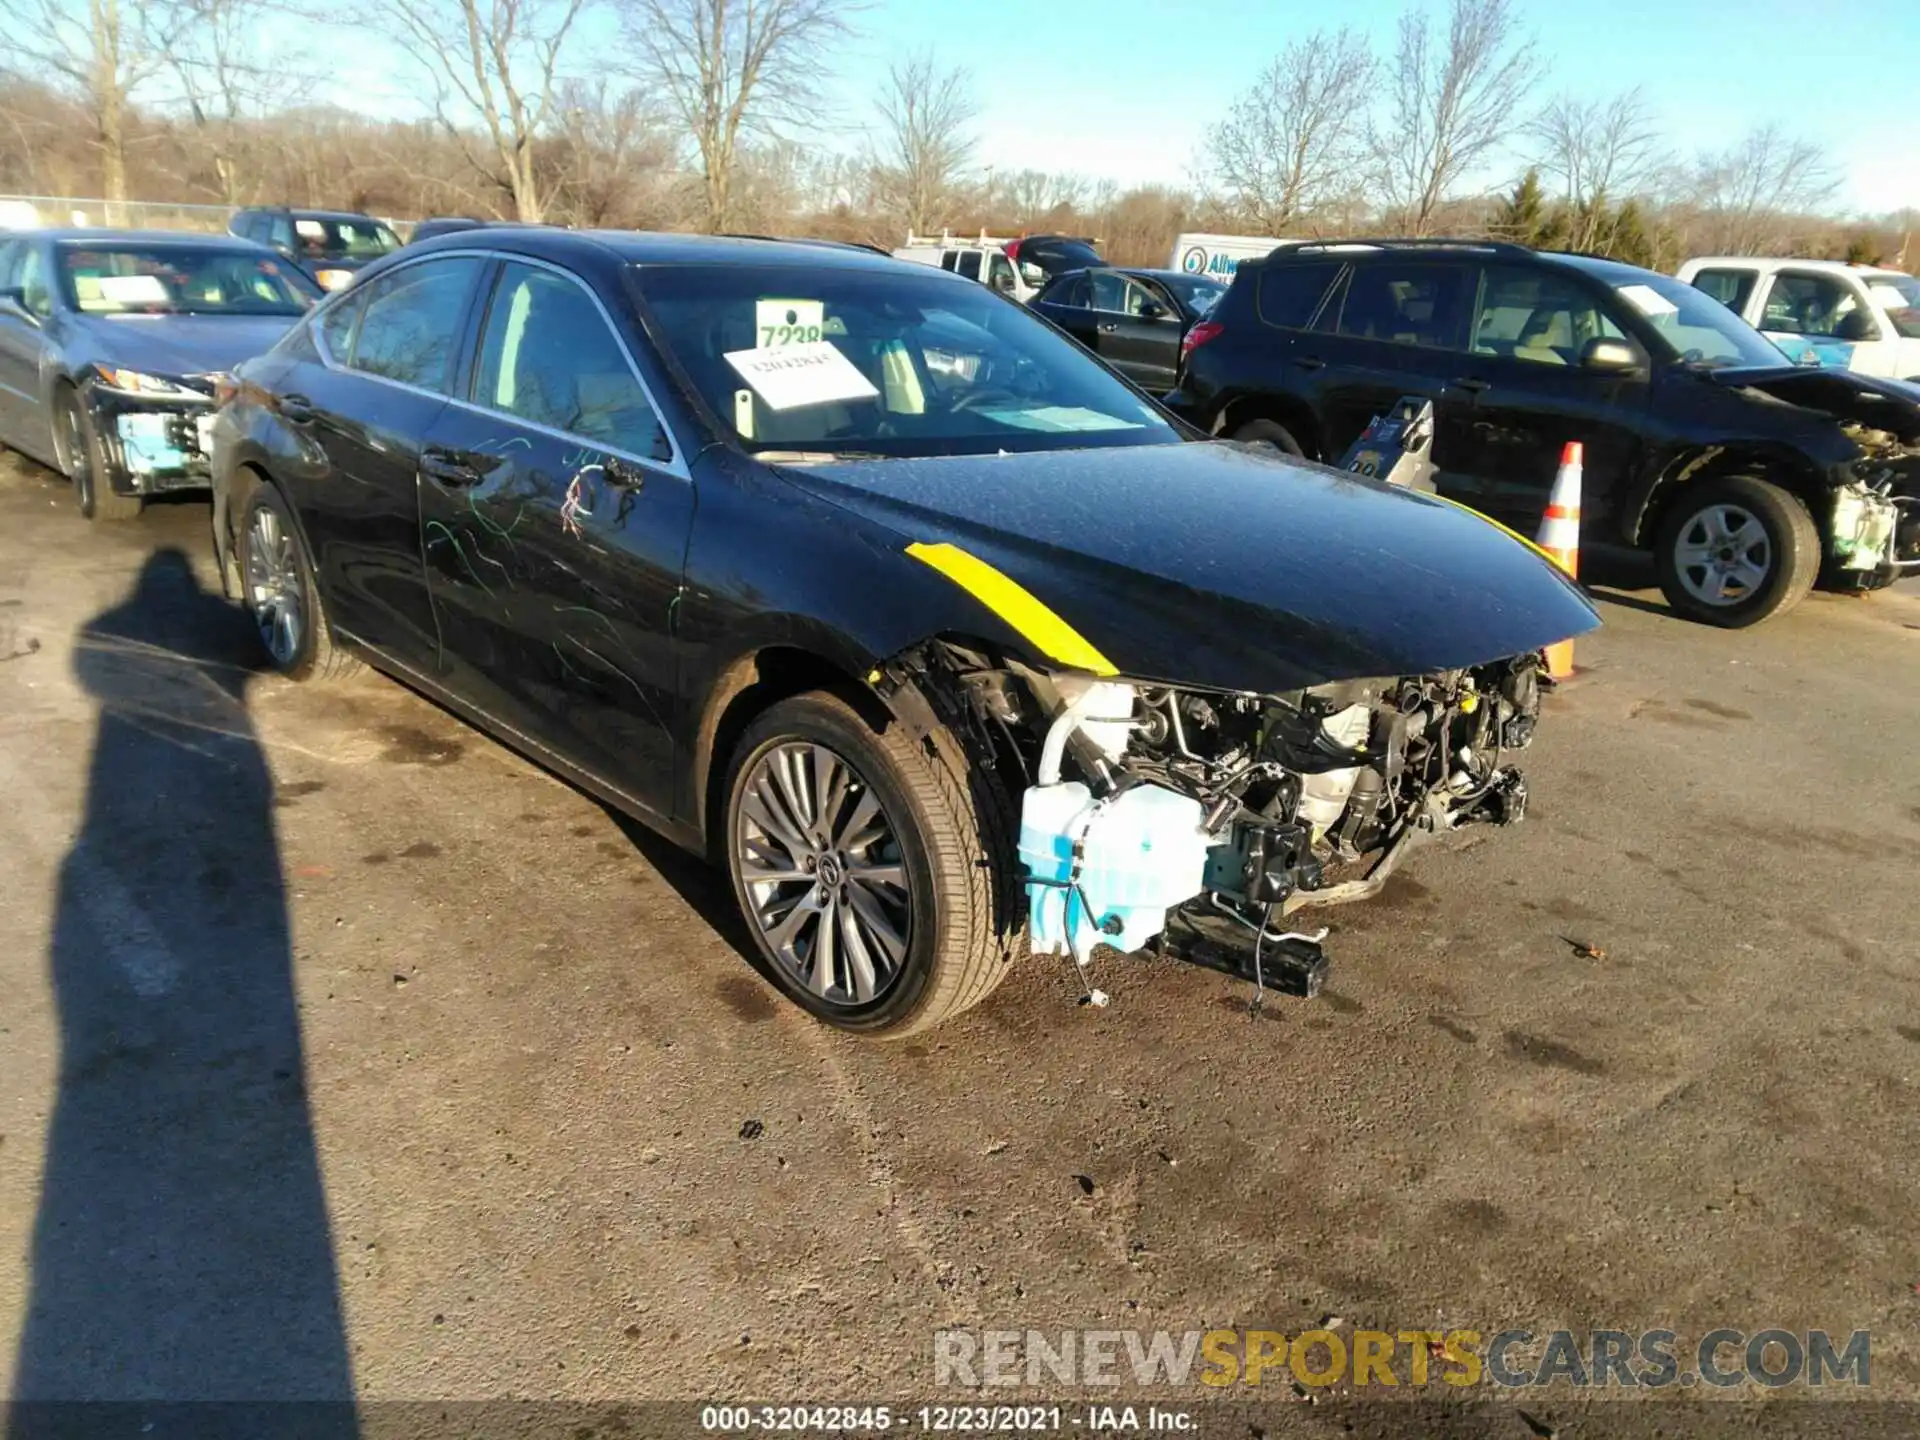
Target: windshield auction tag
(1648,301)
(789,322)
(788,377)
(1890,296)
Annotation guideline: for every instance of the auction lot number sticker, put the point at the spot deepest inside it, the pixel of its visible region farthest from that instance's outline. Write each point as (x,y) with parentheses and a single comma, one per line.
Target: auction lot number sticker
(789,322)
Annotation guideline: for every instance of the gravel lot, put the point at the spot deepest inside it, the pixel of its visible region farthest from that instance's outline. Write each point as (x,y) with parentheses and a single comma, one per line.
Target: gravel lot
(345,1053)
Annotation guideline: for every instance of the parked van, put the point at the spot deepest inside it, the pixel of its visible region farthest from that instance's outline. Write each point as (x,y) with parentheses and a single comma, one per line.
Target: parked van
(1218,255)
(1825,312)
(984,259)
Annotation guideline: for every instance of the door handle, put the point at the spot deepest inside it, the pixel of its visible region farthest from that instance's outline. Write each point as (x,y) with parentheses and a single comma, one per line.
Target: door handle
(443,467)
(1309,362)
(1107,327)
(1471,385)
(295,409)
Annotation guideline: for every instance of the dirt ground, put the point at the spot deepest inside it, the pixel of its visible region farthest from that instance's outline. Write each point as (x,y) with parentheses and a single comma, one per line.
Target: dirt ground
(344,1053)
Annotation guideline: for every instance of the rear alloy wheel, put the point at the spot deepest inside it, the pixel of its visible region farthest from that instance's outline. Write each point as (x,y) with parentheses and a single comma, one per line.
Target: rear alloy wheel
(278,590)
(859,864)
(1736,550)
(1272,434)
(85,460)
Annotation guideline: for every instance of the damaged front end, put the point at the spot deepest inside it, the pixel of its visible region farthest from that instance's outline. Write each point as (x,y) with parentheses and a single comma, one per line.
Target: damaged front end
(1193,820)
(156,433)
(1875,524)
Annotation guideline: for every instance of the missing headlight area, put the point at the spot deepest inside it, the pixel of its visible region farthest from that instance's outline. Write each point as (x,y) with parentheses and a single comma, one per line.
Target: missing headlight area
(1193,821)
(164,444)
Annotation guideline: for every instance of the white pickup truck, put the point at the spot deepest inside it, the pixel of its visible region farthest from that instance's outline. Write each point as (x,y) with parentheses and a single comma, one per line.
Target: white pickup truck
(1826,312)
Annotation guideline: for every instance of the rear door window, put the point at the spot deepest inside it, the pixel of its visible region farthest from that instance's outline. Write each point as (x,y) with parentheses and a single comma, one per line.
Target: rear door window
(1289,295)
(1732,288)
(1071,293)
(968,264)
(1407,303)
(410,323)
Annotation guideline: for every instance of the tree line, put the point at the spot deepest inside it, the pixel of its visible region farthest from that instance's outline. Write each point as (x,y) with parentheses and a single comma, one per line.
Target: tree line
(704,116)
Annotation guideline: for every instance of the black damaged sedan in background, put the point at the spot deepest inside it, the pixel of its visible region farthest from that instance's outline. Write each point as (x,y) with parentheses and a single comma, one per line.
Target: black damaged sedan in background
(941,638)
(112,343)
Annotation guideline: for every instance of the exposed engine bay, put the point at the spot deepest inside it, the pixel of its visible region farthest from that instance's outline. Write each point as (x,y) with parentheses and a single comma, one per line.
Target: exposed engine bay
(1876,520)
(1194,819)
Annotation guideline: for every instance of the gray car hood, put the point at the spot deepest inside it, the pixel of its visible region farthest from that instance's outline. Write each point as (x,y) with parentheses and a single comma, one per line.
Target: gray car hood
(175,345)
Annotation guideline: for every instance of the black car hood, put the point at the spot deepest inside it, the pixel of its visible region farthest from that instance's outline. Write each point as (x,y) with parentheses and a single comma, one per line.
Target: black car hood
(1210,565)
(175,345)
(1846,395)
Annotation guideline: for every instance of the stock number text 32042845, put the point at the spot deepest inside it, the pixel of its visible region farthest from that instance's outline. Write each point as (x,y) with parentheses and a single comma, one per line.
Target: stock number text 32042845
(848,1419)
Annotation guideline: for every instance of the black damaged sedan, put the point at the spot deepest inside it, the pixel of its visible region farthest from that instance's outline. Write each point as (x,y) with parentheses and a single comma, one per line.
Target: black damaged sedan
(112,344)
(946,642)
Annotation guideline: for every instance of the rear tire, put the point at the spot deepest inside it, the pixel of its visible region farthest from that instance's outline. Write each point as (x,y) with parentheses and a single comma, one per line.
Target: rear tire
(277,587)
(922,942)
(1735,550)
(1272,434)
(84,457)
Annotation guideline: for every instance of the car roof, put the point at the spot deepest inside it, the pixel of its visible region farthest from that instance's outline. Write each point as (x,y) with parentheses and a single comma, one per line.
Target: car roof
(219,240)
(303,212)
(642,247)
(1770,263)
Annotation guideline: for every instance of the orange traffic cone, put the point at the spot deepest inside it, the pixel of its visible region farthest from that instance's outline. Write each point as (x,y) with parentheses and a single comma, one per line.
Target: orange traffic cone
(1560,538)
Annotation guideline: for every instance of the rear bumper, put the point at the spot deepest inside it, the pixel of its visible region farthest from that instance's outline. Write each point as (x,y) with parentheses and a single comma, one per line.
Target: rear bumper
(152,447)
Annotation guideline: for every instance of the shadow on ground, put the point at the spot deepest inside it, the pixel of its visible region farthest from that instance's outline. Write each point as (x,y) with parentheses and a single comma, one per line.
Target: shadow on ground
(181,1250)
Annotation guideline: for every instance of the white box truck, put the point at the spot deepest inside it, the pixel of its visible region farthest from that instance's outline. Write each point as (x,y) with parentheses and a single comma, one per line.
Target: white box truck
(1217,255)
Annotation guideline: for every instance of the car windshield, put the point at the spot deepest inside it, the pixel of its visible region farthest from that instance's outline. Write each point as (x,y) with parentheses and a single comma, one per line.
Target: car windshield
(181,280)
(1697,328)
(892,362)
(1899,296)
(1196,292)
(330,239)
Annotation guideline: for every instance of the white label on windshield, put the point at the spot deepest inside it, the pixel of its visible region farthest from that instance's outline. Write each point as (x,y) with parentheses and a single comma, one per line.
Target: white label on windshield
(1647,300)
(1891,298)
(788,377)
(1058,418)
(134,289)
(788,322)
(310,229)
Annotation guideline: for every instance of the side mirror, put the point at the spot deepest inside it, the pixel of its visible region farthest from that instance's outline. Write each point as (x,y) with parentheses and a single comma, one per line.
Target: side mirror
(1607,356)
(1856,325)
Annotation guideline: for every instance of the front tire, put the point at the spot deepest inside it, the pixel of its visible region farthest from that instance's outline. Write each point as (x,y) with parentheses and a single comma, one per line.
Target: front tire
(1736,550)
(83,456)
(278,589)
(862,868)
(1272,434)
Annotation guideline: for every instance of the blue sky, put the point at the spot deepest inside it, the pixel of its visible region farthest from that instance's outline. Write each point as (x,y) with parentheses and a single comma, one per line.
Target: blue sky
(1125,89)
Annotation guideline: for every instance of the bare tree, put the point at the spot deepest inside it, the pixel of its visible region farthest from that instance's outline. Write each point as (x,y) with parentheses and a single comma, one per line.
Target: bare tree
(223,73)
(1601,151)
(1750,195)
(1292,138)
(733,71)
(105,51)
(612,156)
(925,110)
(495,66)
(1039,198)
(1450,100)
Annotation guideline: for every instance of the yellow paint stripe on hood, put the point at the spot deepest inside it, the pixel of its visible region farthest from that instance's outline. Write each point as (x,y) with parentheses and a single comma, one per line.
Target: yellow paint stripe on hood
(1015,604)
(1481,515)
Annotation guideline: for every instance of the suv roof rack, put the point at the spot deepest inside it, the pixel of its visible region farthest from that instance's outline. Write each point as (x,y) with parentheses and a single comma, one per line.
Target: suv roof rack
(1438,242)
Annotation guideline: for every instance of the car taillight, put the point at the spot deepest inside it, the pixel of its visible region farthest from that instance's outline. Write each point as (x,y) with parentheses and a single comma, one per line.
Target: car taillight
(1199,335)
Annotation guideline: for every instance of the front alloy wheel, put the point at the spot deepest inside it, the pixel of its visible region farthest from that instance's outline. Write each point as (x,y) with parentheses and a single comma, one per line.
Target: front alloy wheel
(1734,550)
(275,590)
(1723,555)
(876,875)
(820,860)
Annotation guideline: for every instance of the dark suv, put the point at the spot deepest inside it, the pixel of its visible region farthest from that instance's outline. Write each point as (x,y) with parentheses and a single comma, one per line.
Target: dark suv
(330,245)
(1747,477)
